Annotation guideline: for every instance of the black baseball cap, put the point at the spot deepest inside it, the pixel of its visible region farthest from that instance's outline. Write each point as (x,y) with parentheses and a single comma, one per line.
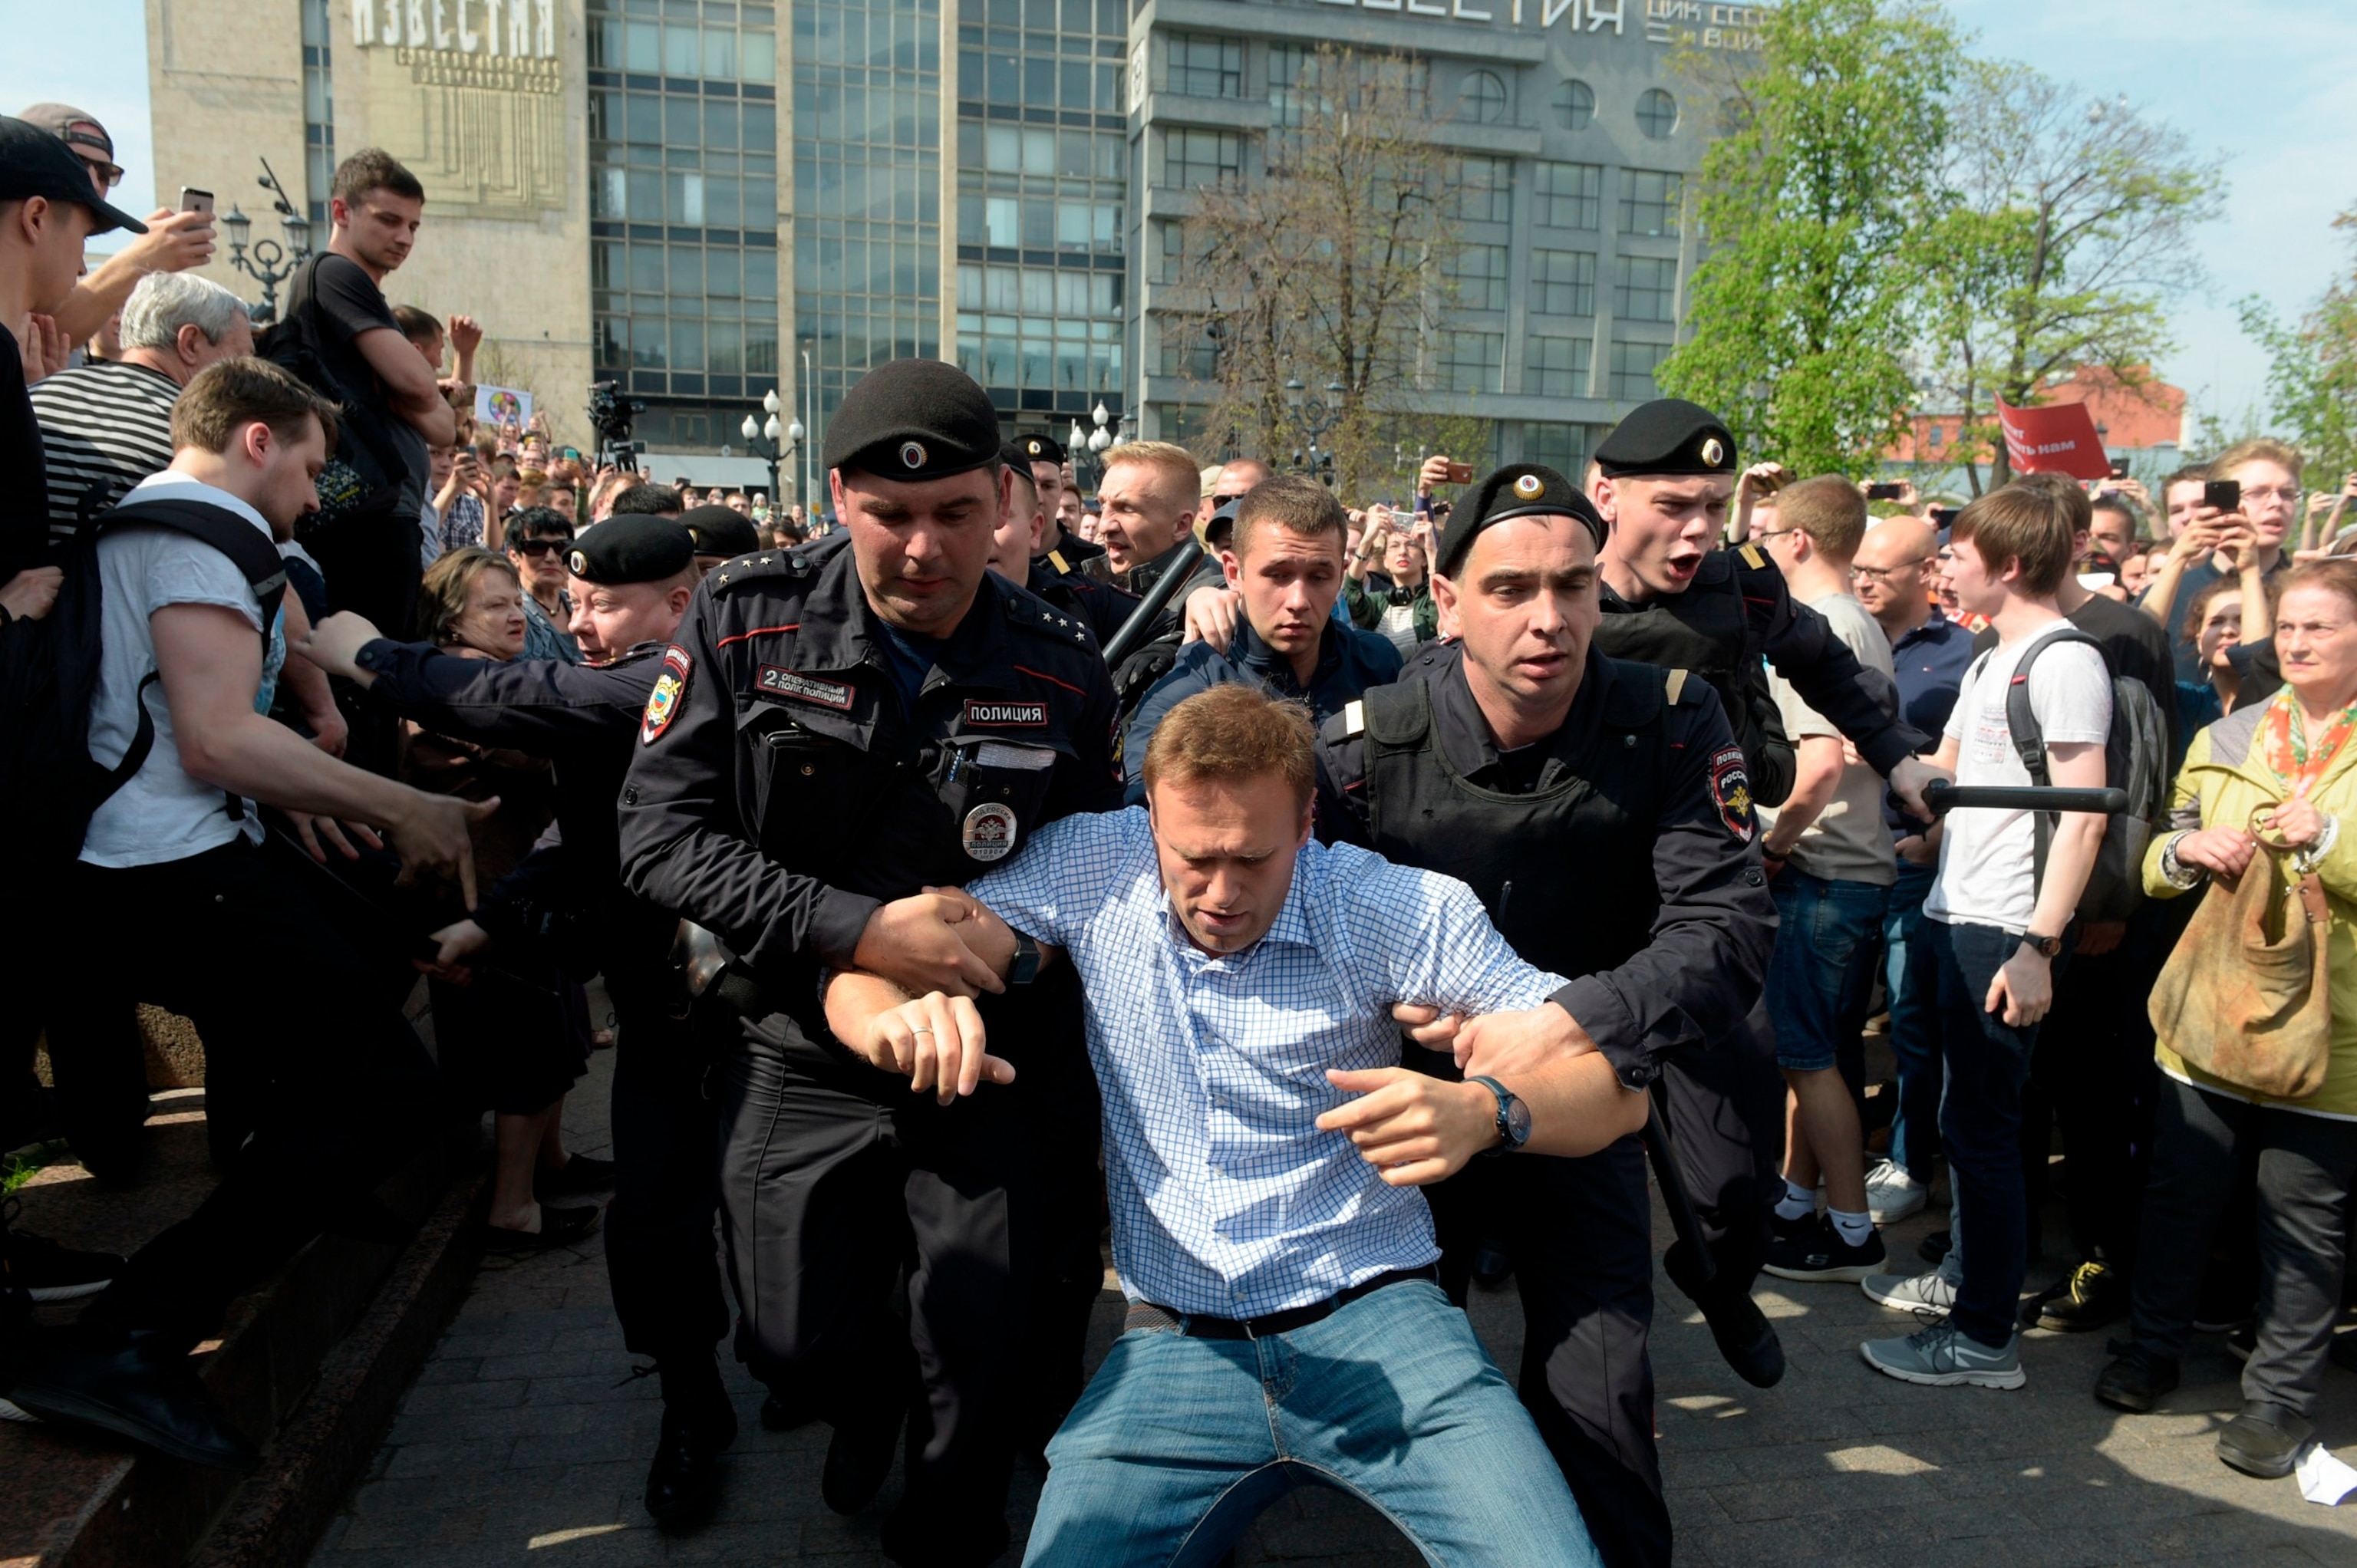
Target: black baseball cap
(35,162)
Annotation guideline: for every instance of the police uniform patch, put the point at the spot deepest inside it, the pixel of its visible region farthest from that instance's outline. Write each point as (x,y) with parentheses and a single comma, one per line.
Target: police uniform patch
(989,831)
(1000,714)
(662,702)
(775,681)
(1730,792)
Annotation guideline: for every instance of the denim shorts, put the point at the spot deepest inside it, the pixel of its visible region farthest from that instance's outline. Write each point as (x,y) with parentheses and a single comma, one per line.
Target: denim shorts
(1822,970)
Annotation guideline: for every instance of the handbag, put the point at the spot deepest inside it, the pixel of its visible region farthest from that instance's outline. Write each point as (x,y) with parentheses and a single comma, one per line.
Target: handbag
(2246,996)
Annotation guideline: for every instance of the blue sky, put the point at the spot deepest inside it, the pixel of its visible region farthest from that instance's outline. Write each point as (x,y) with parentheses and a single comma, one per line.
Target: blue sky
(2269,86)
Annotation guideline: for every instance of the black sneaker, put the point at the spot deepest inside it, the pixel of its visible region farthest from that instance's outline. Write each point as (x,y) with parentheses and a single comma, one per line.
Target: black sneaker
(2089,1296)
(1797,1229)
(1824,1256)
(2135,1379)
(44,1269)
(1933,1249)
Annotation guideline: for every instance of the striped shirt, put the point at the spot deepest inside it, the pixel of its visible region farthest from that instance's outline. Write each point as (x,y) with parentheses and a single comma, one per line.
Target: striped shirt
(1227,1200)
(105,425)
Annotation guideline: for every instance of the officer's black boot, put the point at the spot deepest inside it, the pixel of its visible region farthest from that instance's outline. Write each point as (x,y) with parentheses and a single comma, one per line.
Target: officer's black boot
(698,1422)
(1745,1337)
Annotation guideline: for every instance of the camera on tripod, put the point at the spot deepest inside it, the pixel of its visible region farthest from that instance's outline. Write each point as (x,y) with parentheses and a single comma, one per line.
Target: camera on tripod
(611,416)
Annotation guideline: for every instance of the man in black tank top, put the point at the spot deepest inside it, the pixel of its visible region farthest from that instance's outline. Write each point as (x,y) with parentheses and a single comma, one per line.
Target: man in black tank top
(1600,809)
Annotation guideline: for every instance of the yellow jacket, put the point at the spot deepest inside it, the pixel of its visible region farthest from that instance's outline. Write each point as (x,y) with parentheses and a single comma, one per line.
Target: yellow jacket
(2224,779)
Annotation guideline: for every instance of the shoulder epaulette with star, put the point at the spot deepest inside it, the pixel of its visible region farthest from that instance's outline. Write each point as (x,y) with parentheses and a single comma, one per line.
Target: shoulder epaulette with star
(763,563)
(1028,612)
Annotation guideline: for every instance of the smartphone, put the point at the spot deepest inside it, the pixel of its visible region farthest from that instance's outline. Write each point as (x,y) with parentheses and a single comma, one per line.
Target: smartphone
(195,201)
(1461,473)
(1884,492)
(2222,495)
(2119,470)
(1941,516)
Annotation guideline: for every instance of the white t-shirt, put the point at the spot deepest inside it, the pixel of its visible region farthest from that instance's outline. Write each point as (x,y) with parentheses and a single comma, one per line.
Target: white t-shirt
(1850,841)
(161,813)
(1986,858)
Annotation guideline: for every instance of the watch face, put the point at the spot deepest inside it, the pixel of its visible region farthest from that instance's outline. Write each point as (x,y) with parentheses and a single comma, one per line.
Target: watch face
(1518,1123)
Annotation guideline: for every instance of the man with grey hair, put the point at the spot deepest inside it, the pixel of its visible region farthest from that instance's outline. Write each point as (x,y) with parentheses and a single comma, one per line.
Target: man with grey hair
(107,424)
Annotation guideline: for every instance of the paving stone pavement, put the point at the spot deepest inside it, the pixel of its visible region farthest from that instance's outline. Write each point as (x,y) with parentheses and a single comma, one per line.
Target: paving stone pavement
(524,1442)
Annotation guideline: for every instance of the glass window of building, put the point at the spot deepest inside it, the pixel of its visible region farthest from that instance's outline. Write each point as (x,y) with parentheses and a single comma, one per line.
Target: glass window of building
(1657,113)
(1650,201)
(1575,105)
(1477,190)
(1202,65)
(1192,157)
(1562,448)
(1570,195)
(1471,361)
(684,136)
(1632,368)
(318,116)
(1563,282)
(1480,274)
(1556,367)
(1299,84)
(1645,288)
(1039,55)
(1482,99)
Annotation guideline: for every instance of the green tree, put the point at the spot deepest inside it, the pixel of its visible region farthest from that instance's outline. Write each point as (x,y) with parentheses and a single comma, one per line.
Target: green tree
(1807,300)
(2068,229)
(2312,376)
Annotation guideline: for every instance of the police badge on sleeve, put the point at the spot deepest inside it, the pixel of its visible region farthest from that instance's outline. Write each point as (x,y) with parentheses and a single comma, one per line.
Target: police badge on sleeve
(1730,792)
(662,702)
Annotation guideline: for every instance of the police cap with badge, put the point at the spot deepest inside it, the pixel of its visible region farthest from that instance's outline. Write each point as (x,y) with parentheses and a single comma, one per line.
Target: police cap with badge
(632,550)
(1669,437)
(1041,450)
(914,420)
(1518,489)
(719,530)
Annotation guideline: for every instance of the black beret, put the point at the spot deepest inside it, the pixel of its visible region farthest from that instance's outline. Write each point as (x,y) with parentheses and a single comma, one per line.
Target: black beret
(912,420)
(632,550)
(1013,455)
(1518,489)
(1041,449)
(720,531)
(1668,436)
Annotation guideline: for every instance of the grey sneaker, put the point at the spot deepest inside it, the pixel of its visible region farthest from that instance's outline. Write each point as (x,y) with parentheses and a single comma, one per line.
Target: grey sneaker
(1891,1195)
(1911,1293)
(1943,1355)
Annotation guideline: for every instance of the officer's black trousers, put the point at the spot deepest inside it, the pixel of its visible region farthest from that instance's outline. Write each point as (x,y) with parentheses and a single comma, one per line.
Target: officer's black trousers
(1724,1106)
(660,1255)
(1580,1234)
(341,1088)
(835,1183)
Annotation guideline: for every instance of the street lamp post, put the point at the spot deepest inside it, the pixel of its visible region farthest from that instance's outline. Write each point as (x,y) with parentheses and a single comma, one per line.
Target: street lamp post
(265,261)
(1315,417)
(764,440)
(1108,435)
(810,423)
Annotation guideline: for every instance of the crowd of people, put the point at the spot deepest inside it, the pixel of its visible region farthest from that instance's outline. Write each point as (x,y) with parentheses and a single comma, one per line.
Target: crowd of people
(1592,822)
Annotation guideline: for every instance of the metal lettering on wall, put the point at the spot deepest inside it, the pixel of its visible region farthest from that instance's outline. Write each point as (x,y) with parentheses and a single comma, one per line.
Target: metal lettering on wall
(1702,23)
(475,100)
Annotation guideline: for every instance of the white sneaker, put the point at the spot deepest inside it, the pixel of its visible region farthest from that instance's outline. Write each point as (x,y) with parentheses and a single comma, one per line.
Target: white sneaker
(1891,1195)
(1911,1293)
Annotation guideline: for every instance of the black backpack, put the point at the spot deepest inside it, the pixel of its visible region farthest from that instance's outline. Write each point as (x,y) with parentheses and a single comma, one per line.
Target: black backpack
(56,777)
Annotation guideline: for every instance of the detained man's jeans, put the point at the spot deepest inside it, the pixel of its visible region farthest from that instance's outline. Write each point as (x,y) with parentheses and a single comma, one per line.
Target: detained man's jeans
(1178,1443)
(1911,978)
(1987,1061)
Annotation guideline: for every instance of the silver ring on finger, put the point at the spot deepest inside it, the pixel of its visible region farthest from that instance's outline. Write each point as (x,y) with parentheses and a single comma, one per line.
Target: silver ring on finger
(921,1031)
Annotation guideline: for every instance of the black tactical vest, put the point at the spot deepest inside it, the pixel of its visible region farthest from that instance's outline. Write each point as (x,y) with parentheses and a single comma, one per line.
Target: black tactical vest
(1566,871)
(1703,629)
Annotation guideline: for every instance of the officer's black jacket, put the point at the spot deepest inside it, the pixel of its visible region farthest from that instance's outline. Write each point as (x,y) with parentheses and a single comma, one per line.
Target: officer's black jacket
(1152,659)
(1862,702)
(583,718)
(779,794)
(1060,580)
(1712,918)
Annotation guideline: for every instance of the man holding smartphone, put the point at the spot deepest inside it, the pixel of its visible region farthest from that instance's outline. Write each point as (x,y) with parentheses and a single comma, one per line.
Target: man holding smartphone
(2251,497)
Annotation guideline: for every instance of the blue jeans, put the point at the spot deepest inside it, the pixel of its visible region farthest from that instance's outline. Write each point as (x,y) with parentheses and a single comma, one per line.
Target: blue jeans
(1816,986)
(1911,978)
(1987,1062)
(1179,1444)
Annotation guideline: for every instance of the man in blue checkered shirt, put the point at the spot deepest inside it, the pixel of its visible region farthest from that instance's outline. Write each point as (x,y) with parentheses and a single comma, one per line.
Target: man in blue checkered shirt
(1243,985)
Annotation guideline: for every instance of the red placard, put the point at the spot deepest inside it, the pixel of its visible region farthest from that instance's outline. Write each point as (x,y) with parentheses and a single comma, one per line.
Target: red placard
(2057,439)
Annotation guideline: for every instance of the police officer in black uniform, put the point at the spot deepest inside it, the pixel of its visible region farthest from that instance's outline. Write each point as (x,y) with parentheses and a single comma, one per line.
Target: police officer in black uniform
(721,533)
(567,901)
(1672,598)
(1044,457)
(852,722)
(1598,809)
(1051,573)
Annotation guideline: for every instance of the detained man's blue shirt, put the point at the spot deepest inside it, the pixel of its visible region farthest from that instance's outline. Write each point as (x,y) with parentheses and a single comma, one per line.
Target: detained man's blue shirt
(1227,1200)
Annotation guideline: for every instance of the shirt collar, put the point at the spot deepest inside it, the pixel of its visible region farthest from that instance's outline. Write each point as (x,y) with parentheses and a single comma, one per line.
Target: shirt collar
(171,485)
(1939,628)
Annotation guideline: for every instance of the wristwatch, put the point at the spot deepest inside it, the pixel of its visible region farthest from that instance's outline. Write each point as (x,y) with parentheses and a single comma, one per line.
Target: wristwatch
(1514,1118)
(2049,946)
(1026,961)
